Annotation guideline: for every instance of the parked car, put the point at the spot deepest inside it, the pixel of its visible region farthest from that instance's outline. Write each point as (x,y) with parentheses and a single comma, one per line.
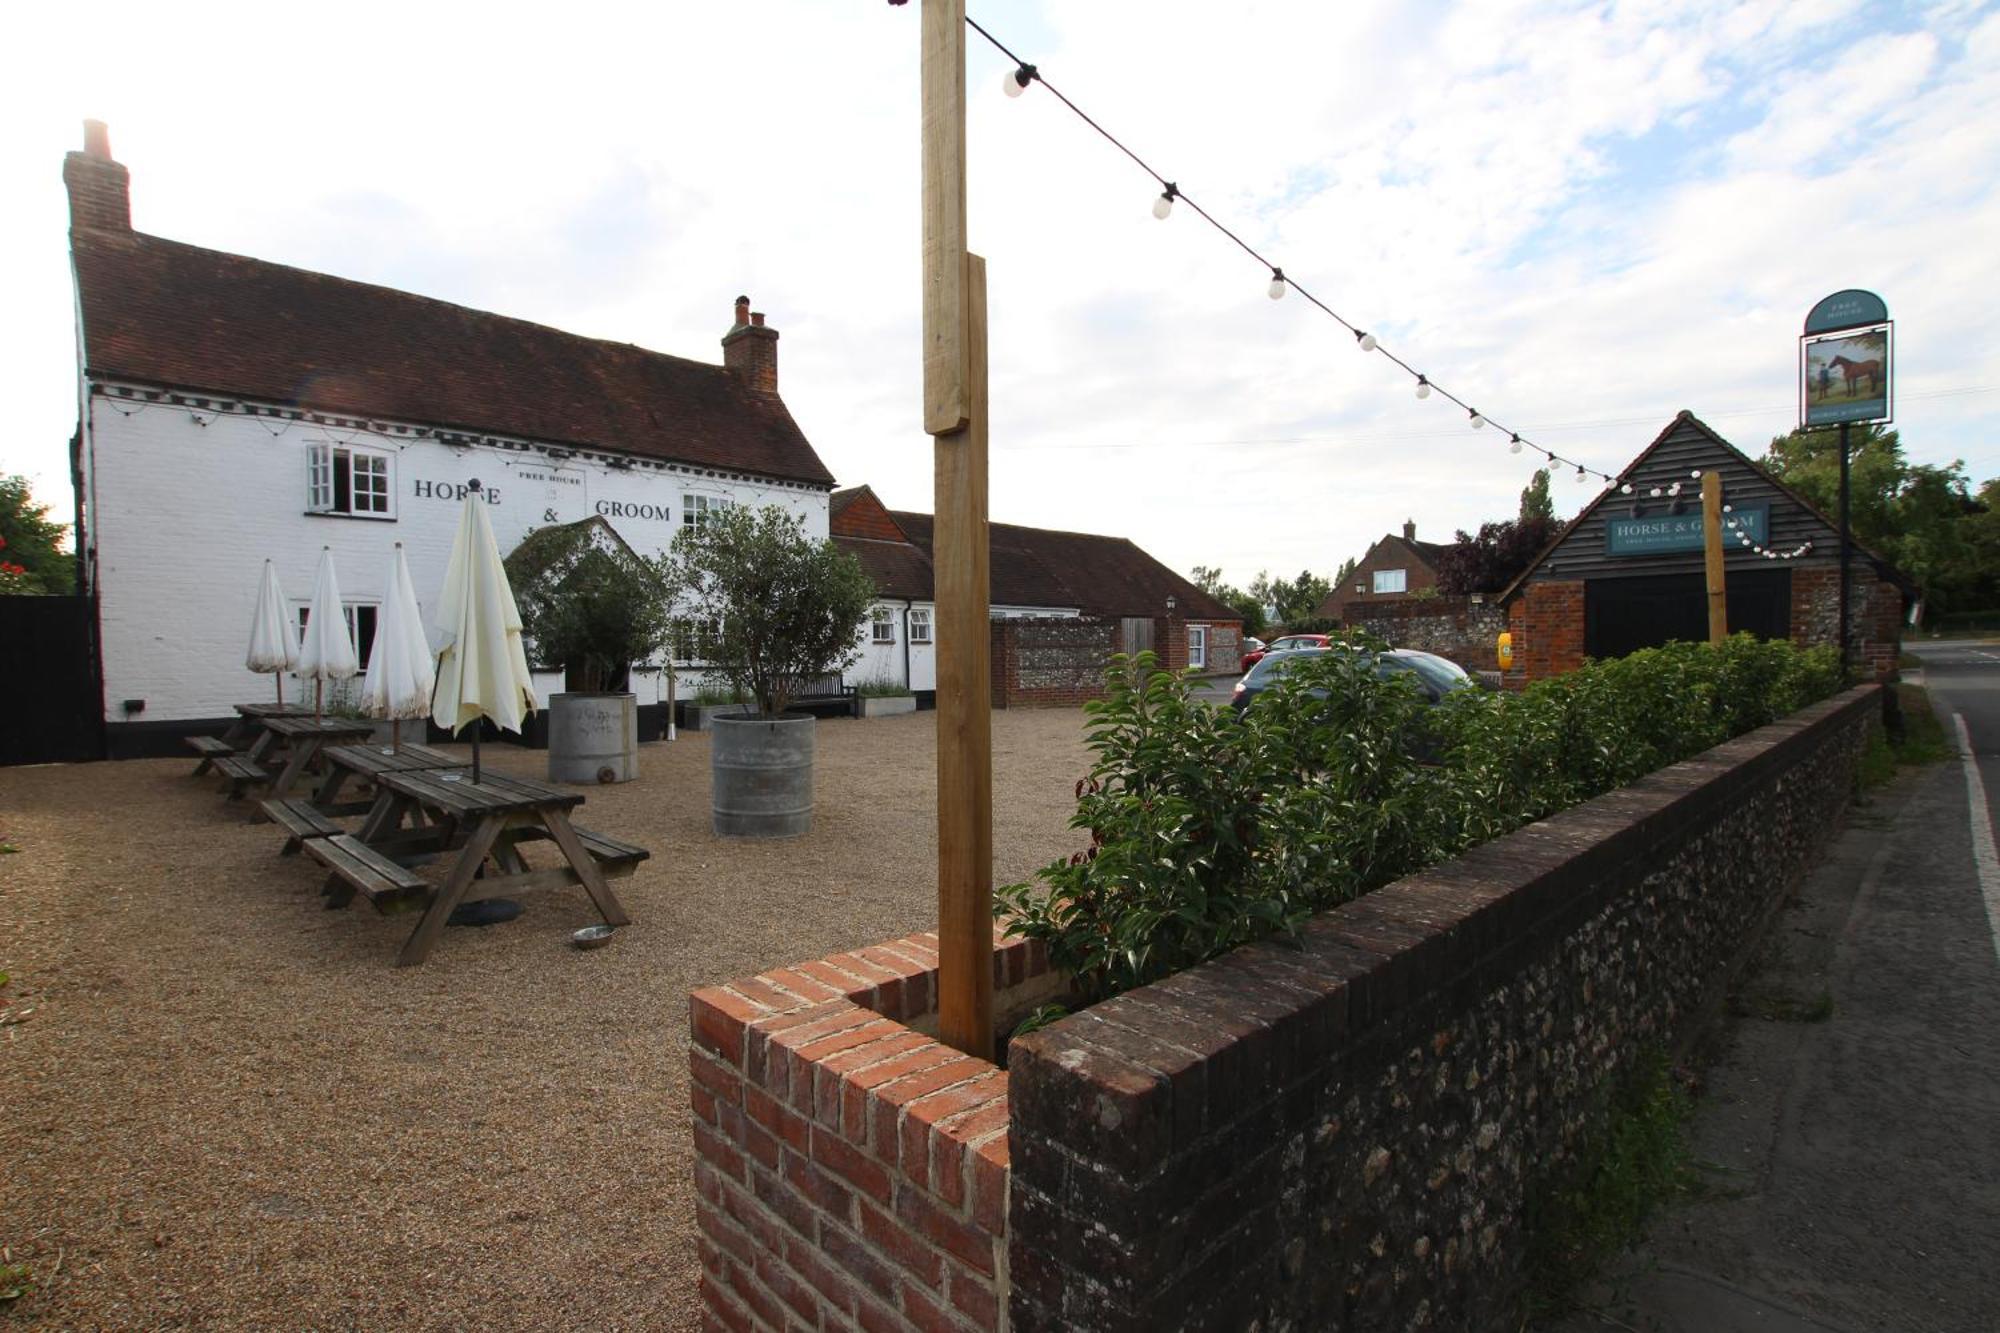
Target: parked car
(1288,643)
(1253,648)
(1435,676)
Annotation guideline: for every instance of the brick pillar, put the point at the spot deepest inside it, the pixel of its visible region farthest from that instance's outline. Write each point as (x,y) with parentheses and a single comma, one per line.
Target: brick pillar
(1549,629)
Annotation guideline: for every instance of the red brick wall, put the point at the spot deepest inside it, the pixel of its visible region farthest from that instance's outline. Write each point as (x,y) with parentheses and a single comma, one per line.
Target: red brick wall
(1053,663)
(1875,615)
(1547,623)
(1389,553)
(850,1170)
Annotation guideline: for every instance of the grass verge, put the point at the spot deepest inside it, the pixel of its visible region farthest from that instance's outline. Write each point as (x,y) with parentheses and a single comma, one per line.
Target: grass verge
(1923,740)
(1637,1160)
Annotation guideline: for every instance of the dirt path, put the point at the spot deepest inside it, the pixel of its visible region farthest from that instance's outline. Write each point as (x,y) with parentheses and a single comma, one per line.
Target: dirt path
(223,1107)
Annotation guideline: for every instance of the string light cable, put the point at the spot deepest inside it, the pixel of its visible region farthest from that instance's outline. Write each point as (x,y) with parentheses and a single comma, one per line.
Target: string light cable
(1024,75)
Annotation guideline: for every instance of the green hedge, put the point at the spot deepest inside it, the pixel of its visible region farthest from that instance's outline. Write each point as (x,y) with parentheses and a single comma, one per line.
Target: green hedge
(1208,830)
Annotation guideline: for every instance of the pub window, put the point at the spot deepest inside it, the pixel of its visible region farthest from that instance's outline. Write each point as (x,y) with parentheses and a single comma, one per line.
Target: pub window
(920,625)
(341,479)
(695,509)
(884,622)
(360,627)
(1391,580)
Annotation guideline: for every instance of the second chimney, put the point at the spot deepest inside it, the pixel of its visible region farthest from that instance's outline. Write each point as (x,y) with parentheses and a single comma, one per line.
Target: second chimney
(100,190)
(750,349)
(1409,529)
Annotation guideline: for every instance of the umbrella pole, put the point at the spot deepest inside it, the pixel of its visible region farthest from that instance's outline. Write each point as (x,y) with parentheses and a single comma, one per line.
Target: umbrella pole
(475,749)
(319,694)
(279,676)
(396,734)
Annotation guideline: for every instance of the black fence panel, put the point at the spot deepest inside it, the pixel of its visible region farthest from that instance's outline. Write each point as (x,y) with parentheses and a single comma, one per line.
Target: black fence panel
(51,703)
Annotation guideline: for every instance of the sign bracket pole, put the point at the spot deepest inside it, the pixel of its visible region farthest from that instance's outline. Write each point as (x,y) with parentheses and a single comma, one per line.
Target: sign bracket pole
(1711,526)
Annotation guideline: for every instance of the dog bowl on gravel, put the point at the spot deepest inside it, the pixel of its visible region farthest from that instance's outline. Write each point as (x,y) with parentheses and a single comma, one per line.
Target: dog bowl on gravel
(592,937)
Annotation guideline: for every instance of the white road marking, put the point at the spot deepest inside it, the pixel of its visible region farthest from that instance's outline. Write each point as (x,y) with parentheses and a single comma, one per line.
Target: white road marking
(1983,853)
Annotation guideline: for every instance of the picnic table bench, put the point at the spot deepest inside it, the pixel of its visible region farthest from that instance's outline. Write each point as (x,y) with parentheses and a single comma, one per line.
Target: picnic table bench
(369,762)
(470,823)
(298,740)
(238,734)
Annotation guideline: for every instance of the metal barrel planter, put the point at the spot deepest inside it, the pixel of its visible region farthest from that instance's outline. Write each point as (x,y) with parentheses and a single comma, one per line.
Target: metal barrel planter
(593,737)
(761,775)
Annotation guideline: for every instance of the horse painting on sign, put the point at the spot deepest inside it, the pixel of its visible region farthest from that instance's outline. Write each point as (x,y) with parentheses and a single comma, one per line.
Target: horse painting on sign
(1853,371)
(1846,377)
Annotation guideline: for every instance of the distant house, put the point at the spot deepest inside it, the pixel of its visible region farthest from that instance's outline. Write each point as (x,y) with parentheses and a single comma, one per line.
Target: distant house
(1037,574)
(1394,569)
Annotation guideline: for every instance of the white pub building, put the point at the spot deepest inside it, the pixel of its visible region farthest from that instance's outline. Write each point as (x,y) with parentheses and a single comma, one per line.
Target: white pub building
(232,410)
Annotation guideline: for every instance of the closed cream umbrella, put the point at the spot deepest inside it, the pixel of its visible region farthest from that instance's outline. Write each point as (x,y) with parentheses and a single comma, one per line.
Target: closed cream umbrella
(400,672)
(273,645)
(482,669)
(327,651)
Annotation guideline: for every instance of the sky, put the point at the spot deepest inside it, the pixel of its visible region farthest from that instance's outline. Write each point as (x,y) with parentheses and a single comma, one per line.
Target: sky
(1581,218)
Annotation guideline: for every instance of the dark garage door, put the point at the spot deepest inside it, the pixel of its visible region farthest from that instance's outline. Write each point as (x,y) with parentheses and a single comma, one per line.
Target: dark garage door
(1621,616)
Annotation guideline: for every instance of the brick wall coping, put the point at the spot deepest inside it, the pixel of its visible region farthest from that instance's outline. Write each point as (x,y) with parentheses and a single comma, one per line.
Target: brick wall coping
(1273,1009)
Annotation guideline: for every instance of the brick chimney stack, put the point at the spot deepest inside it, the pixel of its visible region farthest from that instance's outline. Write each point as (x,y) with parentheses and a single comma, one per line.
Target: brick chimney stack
(751,350)
(100,190)
(1409,529)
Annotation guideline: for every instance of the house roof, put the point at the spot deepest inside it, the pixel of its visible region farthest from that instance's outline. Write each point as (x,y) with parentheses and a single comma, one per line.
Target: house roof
(177,316)
(1686,418)
(1098,575)
(898,568)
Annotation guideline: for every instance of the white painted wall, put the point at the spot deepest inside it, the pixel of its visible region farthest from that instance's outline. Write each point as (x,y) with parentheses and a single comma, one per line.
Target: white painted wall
(185,515)
(884,661)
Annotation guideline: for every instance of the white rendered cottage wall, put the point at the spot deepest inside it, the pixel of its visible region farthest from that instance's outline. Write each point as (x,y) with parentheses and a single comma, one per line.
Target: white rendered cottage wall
(183,515)
(884,661)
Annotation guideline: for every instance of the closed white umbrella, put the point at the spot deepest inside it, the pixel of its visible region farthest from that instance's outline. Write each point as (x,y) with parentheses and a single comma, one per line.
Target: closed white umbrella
(400,673)
(482,669)
(327,652)
(273,645)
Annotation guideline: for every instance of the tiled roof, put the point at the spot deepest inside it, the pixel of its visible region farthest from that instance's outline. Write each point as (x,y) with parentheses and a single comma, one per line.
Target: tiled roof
(1100,576)
(898,568)
(162,313)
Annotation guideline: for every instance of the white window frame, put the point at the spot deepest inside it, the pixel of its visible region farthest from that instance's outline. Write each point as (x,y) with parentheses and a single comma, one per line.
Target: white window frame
(920,625)
(1391,580)
(882,622)
(350,612)
(1197,645)
(696,506)
(371,478)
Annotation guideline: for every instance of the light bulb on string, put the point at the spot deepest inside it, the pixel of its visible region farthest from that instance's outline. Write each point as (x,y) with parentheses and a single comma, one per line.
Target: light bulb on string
(1477,420)
(1655,492)
(1276,290)
(1423,387)
(1515,447)
(1365,339)
(1626,488)
(1165,203)
(1579,473)
(1015,81)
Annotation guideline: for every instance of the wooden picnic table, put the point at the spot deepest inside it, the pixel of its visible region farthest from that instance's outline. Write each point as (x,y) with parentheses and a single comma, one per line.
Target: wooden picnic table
(238,734)
(298,740)
(370,762)
(470,823)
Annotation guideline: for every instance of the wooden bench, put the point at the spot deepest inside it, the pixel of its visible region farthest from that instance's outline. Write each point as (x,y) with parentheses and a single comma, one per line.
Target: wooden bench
(241,773)
(210,748)
(617,858)
(359,868)
(301,821)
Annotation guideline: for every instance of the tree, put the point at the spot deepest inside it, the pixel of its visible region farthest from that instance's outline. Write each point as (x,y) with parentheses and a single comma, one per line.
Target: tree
(1290,599)
(786,609)
(1535,501)
(1209,579)
(590,604)
(1487,563)
(31,556)
(1911,514)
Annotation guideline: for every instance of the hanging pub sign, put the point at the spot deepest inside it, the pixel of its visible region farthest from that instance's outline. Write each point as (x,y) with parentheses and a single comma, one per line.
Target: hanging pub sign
(1667,534)
(1844,356)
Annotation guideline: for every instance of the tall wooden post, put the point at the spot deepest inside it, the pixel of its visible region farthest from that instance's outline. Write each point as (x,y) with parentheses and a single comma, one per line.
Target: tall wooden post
(955,415)
(1711,527)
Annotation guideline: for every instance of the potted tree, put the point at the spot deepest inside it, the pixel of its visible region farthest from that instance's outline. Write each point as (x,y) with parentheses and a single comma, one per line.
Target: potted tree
(786,611)
(592,606)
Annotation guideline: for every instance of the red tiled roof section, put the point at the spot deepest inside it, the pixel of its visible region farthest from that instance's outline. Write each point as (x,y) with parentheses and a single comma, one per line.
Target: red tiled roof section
(162,313)
(1101,576)
(856,512)
(898,568)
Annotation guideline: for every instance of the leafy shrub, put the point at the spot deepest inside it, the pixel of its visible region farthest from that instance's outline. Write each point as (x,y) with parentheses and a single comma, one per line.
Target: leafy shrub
(589,603)
(1208,830)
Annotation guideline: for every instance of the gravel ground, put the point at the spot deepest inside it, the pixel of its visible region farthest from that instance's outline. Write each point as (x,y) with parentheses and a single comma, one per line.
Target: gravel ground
(223,1107)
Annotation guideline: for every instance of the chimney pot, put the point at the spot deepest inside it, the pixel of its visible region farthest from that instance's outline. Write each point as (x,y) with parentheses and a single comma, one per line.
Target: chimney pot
(742,311)
(1409,529)
(97,139)
(756,319)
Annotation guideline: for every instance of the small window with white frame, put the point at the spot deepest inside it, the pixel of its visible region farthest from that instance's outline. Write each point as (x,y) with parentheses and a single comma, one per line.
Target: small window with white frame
(920,624)
(883,624)
(345,479)
(1197,645)
(1391,580)
(360,618)
(695,509)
